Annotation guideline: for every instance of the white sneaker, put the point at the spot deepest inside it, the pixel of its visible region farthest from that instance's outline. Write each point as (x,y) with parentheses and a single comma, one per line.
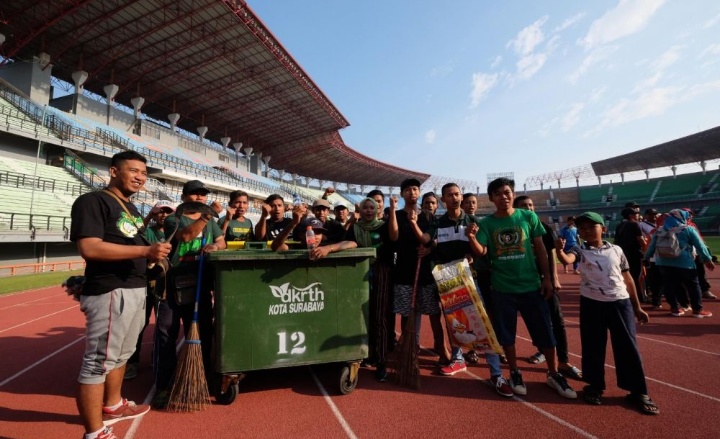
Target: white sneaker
(559,383)
(517,383)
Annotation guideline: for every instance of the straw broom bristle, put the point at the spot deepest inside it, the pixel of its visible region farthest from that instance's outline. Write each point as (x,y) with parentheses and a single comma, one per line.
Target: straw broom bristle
(404,361)
(190,390)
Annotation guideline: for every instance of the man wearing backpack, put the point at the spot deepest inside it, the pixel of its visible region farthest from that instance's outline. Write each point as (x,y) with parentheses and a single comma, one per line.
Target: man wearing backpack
(673,246)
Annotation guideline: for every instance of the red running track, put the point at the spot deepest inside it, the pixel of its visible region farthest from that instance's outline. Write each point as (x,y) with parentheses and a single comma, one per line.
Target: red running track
(41,344)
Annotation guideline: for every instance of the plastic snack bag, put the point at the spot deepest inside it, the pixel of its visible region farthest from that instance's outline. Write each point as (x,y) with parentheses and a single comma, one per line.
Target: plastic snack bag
(465,316)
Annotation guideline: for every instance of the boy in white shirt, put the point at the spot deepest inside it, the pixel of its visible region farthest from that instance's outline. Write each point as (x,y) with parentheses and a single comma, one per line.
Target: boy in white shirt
(608,302)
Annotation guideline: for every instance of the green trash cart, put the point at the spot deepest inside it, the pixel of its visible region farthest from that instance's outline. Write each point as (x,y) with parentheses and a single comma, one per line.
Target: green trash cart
(281,309)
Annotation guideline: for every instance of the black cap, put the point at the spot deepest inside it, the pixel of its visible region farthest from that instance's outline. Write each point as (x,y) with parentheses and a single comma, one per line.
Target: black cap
(194,187)
(629,211)
(409,182)
(632,204)
(650,211)
(313,223)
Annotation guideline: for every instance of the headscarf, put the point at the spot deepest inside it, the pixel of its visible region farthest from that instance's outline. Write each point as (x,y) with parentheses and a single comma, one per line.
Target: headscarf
(362,228)
(676,217)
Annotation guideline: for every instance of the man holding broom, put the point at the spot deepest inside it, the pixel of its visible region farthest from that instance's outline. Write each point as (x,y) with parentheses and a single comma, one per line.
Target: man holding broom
(454,233)
(197,233)
(107,229)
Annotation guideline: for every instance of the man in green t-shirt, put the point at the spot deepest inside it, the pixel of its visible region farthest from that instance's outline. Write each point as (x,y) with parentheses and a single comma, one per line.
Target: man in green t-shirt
(512,240)
(234,224)
(193,229)
(154,232)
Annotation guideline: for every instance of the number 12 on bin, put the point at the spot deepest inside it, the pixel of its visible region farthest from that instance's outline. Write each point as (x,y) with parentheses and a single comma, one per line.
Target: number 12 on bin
(297,337)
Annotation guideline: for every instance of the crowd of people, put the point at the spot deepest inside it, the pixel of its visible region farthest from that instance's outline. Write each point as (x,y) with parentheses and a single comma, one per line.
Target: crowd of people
(512,254)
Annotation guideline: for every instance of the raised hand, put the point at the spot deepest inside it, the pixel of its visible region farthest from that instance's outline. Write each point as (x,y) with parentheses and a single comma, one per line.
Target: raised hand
(393,203)
(216,206)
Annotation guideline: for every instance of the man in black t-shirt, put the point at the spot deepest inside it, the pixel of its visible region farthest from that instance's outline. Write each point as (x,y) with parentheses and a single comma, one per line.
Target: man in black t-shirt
(408,248)
(107,229)
(272,220)
(629,237)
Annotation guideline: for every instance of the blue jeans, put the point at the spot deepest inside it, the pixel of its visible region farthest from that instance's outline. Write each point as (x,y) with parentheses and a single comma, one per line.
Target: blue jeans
(492,359)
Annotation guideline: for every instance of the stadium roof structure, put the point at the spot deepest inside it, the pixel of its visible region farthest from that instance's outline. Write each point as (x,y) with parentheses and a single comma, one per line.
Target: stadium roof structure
(699,147)
(212,61)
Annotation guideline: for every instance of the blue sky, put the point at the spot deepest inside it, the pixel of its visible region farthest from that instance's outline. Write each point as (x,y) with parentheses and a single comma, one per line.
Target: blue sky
(470,87)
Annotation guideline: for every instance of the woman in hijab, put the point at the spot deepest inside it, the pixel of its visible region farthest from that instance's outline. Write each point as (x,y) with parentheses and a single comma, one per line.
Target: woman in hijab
(678,271)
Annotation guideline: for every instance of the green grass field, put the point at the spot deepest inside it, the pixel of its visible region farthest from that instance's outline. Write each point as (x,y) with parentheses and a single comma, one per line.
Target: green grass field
(13,284)
(713,242)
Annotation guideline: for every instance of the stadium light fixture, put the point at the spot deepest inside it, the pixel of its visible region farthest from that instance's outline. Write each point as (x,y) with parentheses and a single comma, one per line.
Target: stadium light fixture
(248,153)
(237,146)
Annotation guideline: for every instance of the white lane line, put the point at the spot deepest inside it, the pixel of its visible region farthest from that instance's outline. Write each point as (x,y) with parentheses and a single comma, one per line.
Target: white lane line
(17,293)
(655,380)
(333,407)
(31,301)
(39,318)
(643,337)
(47,357)
(130,434)
(679,345)
(547,414)
(136,422)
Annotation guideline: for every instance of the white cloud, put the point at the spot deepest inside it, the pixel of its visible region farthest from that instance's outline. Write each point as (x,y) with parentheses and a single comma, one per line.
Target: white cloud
(597,93)
(594,57)
(528,38)
(651,103)
(496,62)
(627,18)
(524,45)
(482,84)
(711,22)
(441,71)
(430,136)
(648,83)
(528,65)
(702,89)
(569,22)
(668,58)
(711,50)
(572,117)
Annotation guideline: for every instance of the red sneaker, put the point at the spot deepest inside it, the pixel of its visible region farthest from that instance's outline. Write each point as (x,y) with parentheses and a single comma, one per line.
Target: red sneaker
(502,387)
(128,410)
(453,368)
(702,314)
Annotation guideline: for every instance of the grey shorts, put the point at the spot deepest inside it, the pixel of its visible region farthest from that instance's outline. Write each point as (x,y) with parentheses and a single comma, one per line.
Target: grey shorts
(428,299)
(113,323)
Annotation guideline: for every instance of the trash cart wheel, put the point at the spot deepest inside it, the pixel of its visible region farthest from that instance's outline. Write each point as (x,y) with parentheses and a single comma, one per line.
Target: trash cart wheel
(348,377)
(228,396)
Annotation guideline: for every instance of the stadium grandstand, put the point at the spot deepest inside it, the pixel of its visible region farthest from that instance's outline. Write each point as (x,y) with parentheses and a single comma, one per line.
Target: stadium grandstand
(205,91)
(609,184)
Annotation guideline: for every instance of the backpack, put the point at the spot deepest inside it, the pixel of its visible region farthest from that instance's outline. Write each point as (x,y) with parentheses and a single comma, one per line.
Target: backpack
(667,244)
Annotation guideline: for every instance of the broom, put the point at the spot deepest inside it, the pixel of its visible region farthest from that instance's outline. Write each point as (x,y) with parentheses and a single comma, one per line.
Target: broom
(190,389)
(405,361)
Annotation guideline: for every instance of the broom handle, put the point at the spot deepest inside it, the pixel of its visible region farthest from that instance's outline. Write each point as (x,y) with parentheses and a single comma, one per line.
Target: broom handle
(415,284)
(198,288)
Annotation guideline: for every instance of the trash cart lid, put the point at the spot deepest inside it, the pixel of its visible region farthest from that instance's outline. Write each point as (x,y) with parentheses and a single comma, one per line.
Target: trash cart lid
(240,255)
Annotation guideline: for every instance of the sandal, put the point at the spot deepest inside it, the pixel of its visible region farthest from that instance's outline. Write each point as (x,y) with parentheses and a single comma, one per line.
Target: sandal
(537,358)
(643,403)
(472,357)
(592,396)
(571,372)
